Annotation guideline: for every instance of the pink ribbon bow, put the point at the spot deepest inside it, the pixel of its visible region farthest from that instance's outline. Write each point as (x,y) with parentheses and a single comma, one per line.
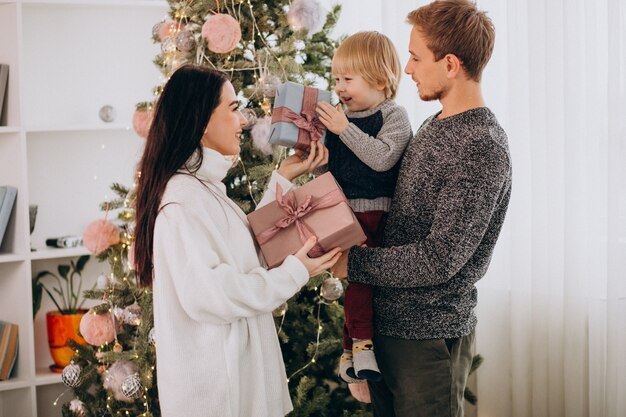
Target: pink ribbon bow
(311,128)
(295,213)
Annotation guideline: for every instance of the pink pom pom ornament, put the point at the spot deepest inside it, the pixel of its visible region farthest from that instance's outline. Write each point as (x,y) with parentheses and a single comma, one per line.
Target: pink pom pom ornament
(100,235)
(97,329)
(168,29)
(222,33)
(142,119)
(261,135)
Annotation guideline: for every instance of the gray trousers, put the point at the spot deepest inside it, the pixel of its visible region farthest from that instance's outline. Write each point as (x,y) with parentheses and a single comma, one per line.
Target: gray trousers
(421,378)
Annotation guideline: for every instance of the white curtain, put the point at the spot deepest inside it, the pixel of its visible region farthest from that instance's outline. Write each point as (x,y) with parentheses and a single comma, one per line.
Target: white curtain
(552,308)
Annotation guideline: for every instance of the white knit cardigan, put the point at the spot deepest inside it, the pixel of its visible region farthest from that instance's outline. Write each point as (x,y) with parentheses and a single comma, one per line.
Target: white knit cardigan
(217,349)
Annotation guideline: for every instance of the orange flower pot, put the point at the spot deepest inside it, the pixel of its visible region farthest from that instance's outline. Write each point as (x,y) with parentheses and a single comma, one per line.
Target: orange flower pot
(62,327)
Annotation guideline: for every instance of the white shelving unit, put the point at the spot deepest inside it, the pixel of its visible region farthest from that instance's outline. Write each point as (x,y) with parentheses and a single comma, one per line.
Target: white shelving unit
(67,59)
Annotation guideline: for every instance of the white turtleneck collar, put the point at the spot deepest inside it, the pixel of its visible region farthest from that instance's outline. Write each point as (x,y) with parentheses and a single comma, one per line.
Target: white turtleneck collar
(214,166)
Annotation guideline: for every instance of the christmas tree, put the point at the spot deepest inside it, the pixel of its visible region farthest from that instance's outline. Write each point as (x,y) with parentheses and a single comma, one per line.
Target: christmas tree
(259,44)
(114,375)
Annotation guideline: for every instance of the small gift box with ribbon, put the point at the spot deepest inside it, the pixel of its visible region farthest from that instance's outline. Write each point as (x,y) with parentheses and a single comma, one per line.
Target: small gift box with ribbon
(317,208)
(294,121)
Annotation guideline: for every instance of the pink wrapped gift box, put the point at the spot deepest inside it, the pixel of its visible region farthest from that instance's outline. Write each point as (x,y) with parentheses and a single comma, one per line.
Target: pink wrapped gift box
(317,208)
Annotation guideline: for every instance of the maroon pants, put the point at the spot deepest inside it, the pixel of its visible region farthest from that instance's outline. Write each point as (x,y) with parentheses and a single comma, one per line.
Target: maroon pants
(357,303)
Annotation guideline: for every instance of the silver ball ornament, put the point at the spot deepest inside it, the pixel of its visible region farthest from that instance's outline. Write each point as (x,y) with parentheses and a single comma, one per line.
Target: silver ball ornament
(71,375)
(184,41)
(331,289)
(156,29)
(168,45)
(151,336)
(132,387)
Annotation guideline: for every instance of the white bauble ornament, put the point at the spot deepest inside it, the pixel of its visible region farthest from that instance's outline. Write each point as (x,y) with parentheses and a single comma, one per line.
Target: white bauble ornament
(132,314)
(115,377)
(132,387)
(306,14)
(71,375)
(151,337)
(332,289)
(261,135)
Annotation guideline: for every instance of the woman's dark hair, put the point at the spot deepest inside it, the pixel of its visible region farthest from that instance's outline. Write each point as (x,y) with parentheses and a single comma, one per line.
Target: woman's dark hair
(180,118)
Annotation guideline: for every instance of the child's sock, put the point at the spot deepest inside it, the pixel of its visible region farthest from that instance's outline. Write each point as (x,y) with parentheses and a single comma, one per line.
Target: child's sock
(346,368)
(364,361)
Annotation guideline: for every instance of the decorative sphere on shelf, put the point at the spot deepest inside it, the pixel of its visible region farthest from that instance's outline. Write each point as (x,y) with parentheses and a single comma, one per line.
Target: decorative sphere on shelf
(332,289)
(107,113)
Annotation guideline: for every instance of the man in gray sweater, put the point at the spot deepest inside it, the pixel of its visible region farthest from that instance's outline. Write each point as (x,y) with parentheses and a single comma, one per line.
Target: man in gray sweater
(448,208)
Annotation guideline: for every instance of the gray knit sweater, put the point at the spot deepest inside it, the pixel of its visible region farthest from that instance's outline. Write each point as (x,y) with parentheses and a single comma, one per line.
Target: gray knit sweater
(379,152)
(449,205)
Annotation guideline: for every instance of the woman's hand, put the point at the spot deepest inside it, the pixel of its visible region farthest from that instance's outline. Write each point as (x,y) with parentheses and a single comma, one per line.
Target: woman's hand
(295,165)
(316,266)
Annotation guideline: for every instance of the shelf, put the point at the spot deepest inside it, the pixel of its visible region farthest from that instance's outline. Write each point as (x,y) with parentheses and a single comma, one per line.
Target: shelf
(46,377)
(14,383)
(9,129)
(11,257)
(127,3)
(58,253)
(78,128)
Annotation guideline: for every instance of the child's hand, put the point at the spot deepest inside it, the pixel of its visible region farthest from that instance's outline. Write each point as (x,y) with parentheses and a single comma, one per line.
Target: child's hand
(333,118)
(299,163)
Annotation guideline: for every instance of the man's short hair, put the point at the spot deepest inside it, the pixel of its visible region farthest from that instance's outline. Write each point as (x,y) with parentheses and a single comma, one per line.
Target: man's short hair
(456,27)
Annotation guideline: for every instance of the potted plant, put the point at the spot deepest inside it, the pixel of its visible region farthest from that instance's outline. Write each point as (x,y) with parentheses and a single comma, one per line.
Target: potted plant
(64,289)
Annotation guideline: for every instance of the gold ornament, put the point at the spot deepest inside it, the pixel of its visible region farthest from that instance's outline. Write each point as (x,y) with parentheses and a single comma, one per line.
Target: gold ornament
(117,347)
(266,106)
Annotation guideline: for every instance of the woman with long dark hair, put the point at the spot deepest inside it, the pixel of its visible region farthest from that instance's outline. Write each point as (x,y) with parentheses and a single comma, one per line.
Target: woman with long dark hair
(217,348)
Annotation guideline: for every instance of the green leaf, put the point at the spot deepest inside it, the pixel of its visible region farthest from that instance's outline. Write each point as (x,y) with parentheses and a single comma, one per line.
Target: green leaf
(63,271)
(80,264)
(37,296)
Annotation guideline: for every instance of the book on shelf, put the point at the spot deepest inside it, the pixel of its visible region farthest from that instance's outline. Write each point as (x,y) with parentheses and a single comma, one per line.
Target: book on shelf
(4,78)
(8,349)
(7,199)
